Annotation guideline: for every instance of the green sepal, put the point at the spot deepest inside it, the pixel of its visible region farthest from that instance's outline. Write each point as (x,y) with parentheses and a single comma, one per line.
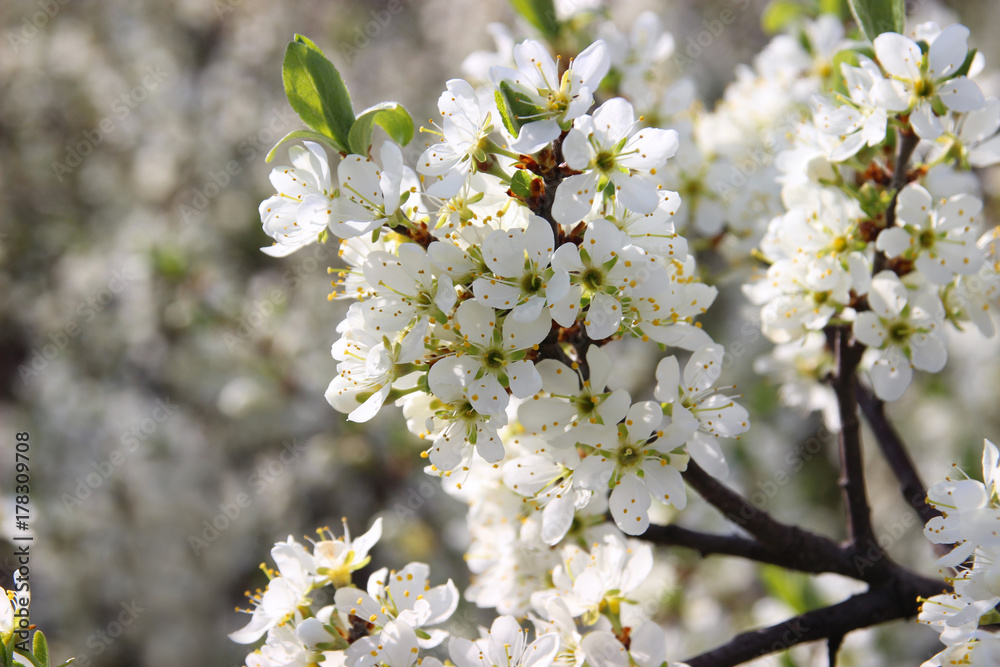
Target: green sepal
(964,69)
(316,91)
(539,13)
(877,16)
(40,647)
(390,116)
(32,659)
(304,135)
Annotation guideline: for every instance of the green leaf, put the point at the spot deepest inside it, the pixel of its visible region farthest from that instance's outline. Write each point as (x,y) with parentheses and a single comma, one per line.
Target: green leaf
(40,648)
(779,14)
(877,16)
(837,7)
(514,108)
(793,588)
(848,56)
(390,116)
(539,13)
(505,112)
(316,91)
(520,184)
(305,135)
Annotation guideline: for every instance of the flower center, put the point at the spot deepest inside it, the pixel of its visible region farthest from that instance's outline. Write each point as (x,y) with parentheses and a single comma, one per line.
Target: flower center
(628,456)
(900,332)
(494,359)
(531,283)
(592,278)
(605,161)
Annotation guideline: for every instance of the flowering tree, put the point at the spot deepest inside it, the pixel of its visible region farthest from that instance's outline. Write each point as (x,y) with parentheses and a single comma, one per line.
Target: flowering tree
(570,201)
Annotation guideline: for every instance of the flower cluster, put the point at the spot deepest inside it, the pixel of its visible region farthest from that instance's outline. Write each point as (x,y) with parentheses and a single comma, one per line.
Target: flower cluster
(496,276)
(396,620)
(868,240)
(383,626)
(552,216)
(970,522)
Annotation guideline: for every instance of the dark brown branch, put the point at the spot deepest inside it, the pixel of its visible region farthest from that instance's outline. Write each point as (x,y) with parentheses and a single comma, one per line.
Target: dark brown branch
(907,142)
(803,550)
(832,648)
(708,544)
(895,453)
(852,473)
(896,600)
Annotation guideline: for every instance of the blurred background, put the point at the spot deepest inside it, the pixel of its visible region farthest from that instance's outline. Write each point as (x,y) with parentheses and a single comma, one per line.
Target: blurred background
(171,376)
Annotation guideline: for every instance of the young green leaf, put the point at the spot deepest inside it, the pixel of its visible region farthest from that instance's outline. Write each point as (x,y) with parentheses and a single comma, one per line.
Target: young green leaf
(878,16)
(317,92)
(539,13)
(304,135)
(390,116)
(779,14)
(514,109)
(520,184)
(40,647)
(837,7)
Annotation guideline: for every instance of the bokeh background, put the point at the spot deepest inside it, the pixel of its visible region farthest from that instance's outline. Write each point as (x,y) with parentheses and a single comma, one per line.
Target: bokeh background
(171,376)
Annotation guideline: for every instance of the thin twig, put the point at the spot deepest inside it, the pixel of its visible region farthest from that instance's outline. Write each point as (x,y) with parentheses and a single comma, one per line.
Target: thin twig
(832,648)
(709,544)
(907,142)
(895,453)
(852,473)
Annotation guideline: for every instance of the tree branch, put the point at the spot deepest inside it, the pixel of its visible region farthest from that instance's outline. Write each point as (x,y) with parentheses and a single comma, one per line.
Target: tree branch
(832,648)
(907,142)
(895,453)
(897,599)
(708,544)
(802,550)
(852,473)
